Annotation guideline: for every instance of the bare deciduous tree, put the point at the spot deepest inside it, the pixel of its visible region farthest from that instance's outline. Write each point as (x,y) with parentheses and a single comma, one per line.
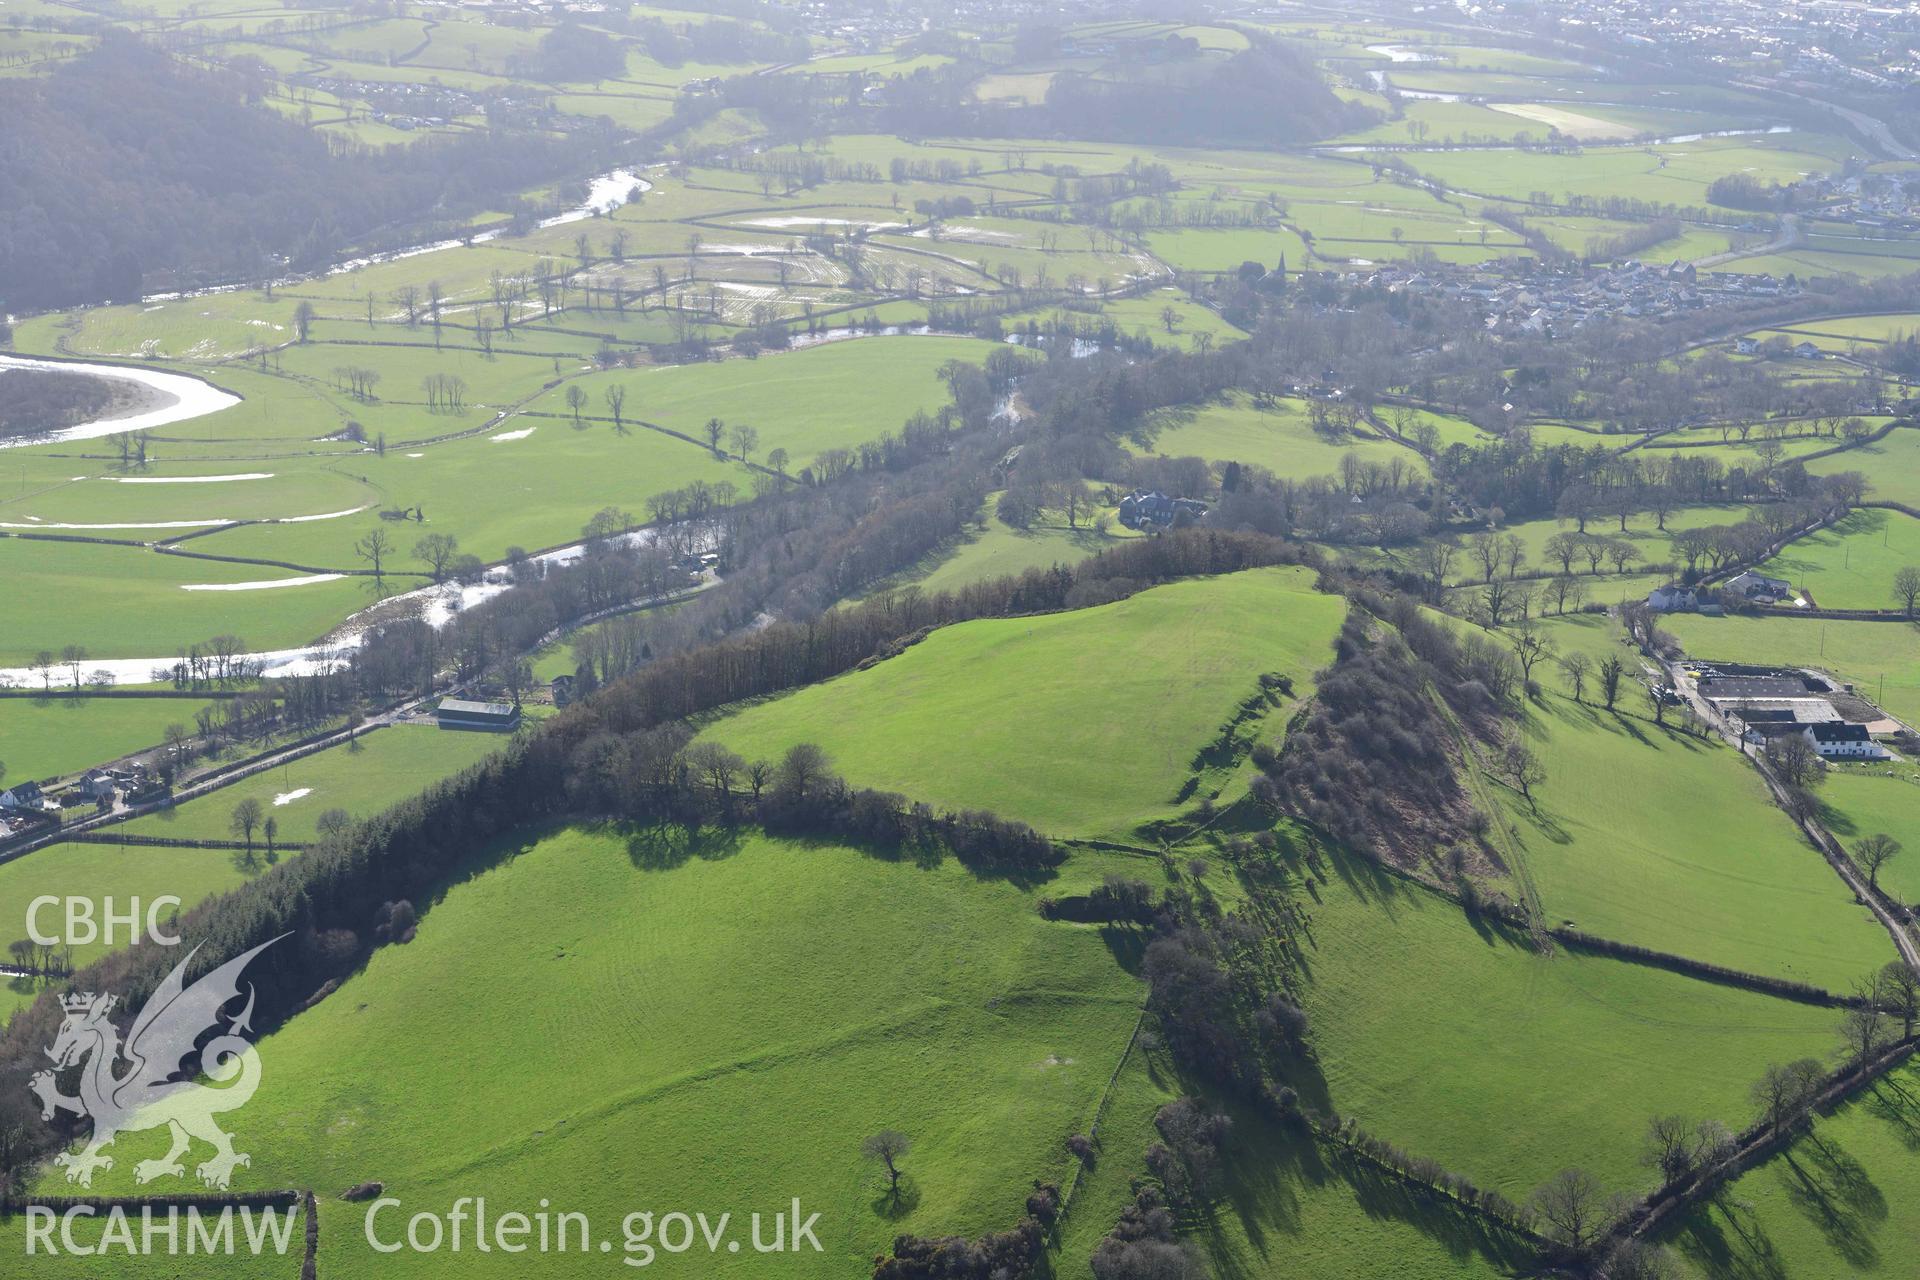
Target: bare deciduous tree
(374,549)
(1570,1204)
(887,1147)
(1874,852)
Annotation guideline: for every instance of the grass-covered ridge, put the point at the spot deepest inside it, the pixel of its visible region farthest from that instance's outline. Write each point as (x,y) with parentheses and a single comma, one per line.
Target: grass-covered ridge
(704,1036)
(1084,722)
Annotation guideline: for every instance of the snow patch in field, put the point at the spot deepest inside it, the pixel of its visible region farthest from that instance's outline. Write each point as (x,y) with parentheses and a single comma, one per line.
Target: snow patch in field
(239,475)
(265,584)
(324,515)
(35,522)
(288,797)
(521,434)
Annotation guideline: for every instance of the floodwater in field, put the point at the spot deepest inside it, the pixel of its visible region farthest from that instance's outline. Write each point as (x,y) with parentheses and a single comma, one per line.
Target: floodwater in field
(1592,144)
(1399,53)
(1380,82)
(436,605)
(173,397)
(1720,133)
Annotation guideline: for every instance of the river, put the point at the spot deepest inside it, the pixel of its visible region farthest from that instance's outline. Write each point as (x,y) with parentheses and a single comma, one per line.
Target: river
(181,397)
(437,605)
(605,193)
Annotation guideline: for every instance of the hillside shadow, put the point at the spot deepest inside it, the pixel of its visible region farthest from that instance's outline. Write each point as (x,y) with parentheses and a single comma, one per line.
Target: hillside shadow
(664,846)
(1166,419)
(1272,1169)
(1462,1234)
(1725,1240)
(1832,1191)
(1127,946)
(1368,881)
(1892,1101)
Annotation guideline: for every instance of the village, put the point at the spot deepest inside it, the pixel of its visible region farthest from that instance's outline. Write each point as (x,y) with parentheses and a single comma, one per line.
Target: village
(1523,297)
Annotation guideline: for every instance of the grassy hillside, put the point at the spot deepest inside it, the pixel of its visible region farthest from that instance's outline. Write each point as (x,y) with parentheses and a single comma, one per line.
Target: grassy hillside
(1857,802)
(1287,1208)
(1843,1201)
(1083,722)
(711,1037)
(1653,837)
(1464,1044)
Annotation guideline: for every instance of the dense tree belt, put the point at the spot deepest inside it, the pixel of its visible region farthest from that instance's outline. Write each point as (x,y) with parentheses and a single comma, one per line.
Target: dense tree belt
(123,163)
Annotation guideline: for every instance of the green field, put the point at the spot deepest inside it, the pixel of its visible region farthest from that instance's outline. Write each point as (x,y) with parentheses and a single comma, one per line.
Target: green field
(1287,1207)
(1081,723)
(1892,465)
(48,737)
(1842,1201)
(99,871)
(995,549)
(1882,659)
(1851,564)
(1880,799)
(1649,836)
(1280,439)
(697,1041)
(388,766)
(90,595)
(1464,1044)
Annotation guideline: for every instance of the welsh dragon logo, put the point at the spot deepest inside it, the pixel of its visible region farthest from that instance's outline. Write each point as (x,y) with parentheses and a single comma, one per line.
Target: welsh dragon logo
(155,1088)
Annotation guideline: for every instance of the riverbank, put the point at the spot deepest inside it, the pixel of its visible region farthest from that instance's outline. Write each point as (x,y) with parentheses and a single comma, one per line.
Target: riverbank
(143,398)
